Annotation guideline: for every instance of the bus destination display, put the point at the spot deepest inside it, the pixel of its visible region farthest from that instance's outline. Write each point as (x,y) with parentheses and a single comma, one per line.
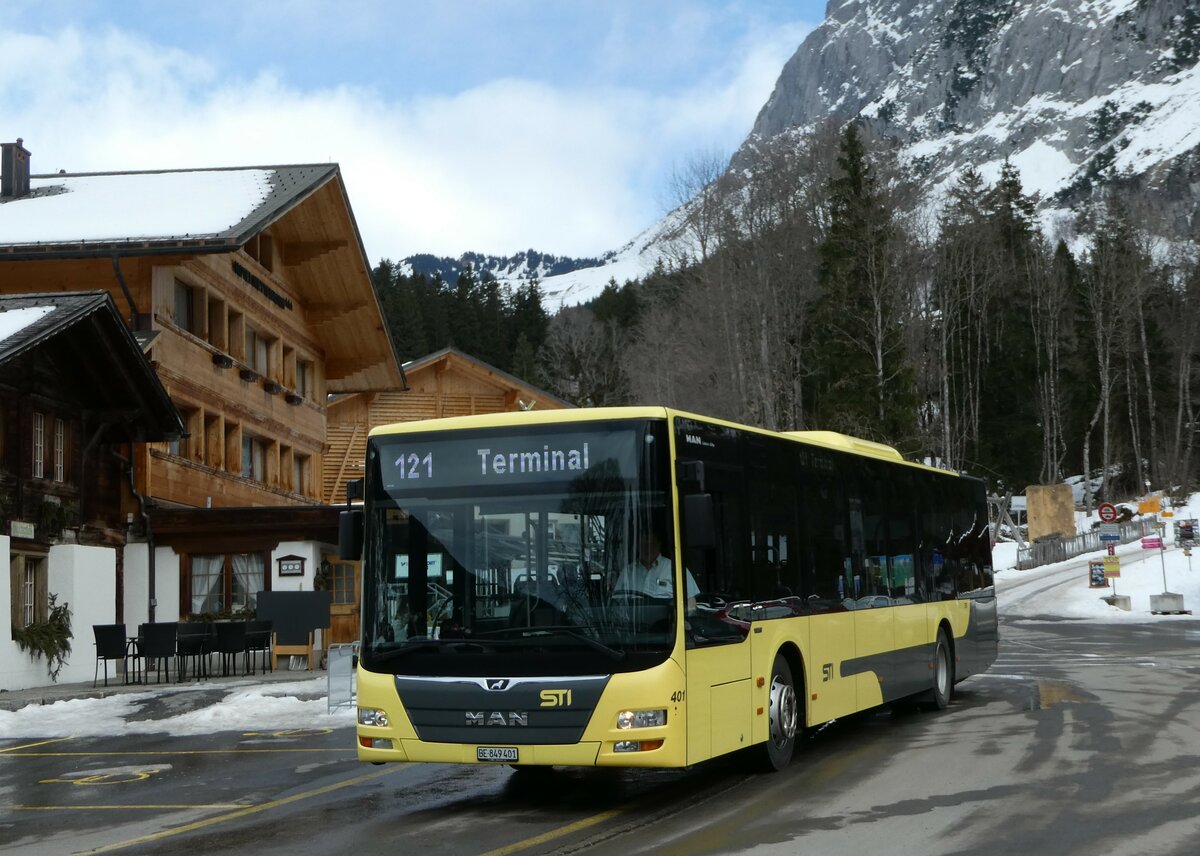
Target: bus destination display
(431,462)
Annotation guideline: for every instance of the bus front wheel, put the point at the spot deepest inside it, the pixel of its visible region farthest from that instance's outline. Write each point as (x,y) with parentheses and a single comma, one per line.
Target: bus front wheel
(784,719)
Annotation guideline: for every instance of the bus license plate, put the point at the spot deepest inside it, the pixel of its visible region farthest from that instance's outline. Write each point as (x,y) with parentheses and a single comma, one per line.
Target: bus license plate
(496,753)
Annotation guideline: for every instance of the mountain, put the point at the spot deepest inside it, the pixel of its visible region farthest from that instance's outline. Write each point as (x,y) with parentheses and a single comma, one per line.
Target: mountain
(1074,93)
(523,266)
(1071,92)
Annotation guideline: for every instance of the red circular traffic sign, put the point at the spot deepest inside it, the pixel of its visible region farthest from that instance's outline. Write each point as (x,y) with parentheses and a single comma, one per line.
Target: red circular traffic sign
(1108,512)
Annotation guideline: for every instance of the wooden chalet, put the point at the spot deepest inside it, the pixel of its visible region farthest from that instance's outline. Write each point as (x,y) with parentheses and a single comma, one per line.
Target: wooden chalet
(251,291)
(76,393)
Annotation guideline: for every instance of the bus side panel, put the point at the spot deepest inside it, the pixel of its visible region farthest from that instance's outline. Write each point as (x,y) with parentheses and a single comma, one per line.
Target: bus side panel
(978,646)
(914,650)
(718,713)
(874,641)
(767,639)
(830,693)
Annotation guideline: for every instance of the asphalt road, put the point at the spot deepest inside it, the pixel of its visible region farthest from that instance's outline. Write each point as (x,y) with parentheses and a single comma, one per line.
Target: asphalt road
(1081,739)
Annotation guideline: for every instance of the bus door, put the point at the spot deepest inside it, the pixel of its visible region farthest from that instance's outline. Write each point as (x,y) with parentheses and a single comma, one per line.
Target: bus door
(717,652)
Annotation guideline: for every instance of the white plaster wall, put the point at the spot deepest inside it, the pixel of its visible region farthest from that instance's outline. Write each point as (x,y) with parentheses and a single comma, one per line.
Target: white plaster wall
(310,551)
(137,585)
(86,579)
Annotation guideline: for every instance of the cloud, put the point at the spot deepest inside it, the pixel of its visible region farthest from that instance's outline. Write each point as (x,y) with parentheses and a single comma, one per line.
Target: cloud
(498,167)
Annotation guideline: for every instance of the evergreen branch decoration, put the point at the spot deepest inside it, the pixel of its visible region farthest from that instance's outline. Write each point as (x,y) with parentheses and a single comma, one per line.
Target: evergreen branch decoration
(50,638)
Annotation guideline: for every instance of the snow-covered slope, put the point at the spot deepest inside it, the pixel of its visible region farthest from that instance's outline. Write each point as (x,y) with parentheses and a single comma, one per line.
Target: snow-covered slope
(1072,92)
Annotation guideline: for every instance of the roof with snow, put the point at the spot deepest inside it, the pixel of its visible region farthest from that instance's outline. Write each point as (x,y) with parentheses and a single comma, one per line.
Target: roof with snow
(219,210)
(98,363)
(196,209)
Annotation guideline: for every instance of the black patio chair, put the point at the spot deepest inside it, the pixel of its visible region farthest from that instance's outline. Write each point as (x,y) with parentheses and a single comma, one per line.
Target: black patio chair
(258,642)
(157,647)
(111,644)
(194,643)
(231,641)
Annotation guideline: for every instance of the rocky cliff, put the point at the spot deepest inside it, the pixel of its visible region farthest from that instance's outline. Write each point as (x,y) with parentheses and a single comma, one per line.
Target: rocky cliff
(1073,92)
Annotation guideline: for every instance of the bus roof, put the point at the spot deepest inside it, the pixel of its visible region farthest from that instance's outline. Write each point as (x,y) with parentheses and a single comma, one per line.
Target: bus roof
(827,439)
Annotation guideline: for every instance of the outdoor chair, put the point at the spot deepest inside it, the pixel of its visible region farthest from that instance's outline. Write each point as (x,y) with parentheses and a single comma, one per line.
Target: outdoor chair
(157,647)
(258,642)
(194,643)
(111,644)
(231,641)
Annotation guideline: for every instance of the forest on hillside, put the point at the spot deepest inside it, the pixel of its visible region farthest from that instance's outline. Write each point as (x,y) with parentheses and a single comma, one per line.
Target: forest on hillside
(816,293)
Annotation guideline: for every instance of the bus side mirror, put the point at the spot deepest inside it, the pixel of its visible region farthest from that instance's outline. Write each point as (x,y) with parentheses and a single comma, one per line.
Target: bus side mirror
(700,527)
(350,535)
(354,490)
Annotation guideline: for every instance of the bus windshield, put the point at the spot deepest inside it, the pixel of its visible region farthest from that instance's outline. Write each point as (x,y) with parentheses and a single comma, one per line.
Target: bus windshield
(505,552)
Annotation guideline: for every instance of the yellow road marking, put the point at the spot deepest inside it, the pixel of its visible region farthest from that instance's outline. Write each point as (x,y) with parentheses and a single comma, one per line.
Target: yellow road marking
(31,745)
(243,812)
(555,833)
(168,752)
(122,807)
(103,779)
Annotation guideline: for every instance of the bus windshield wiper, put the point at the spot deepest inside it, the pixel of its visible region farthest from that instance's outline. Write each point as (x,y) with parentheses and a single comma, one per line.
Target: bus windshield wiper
(422,645)
(560,630)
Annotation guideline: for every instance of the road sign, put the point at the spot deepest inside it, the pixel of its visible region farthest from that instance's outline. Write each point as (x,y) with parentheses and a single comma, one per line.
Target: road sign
(1112,549)
(1152,542)
(1110,532)
(1112,566)
(1096,578)
(1107,512)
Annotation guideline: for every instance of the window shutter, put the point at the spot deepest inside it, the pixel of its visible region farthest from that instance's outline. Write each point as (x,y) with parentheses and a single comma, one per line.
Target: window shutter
(16,590)
(41,596)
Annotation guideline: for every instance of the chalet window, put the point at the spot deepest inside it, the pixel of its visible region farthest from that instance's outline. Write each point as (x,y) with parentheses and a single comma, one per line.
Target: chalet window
(254,458)
(227,582)
(30,601)
(186,302)
(258,351)
(60,443)
(301,466)
(341,580)
(303,378)
(39,445)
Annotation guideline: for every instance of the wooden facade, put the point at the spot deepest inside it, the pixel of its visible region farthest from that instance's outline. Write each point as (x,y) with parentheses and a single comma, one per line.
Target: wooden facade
(445,383)
(75,393)
(249,327)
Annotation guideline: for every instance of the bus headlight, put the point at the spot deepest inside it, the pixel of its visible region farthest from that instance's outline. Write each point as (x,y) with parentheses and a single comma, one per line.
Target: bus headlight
(372,716)
(641,718)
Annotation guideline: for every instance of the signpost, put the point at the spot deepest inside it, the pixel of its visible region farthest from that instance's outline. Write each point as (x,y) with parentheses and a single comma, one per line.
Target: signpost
(1096,578)
(1107,512)
(1112,567)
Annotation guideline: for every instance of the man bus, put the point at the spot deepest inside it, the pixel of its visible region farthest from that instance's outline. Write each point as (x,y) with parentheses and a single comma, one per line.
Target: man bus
(808,576)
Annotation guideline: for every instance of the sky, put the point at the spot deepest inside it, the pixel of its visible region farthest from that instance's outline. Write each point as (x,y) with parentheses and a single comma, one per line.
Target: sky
(460,125)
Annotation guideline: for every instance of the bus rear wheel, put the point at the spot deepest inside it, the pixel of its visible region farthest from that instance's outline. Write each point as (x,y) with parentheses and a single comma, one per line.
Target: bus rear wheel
(943,673)
(783,719)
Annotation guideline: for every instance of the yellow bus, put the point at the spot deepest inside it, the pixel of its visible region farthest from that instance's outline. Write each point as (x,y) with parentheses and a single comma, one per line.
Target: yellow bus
(645,587)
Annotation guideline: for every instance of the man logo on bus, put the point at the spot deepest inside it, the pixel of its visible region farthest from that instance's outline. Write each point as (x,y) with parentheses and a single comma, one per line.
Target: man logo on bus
(495,717)
(556,698)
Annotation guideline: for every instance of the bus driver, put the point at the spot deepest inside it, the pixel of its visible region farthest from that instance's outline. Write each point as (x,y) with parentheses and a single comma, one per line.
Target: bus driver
(652,574)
